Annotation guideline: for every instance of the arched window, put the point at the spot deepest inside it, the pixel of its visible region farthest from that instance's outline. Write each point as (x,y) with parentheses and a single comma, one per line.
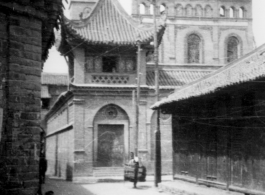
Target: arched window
(188,10)
(198,11)
(162,9)
(151,9)
(208,11)
(232,49)
(194,45)
(222,11)
(241,12)
(179,10)
(142,8)
(232,12)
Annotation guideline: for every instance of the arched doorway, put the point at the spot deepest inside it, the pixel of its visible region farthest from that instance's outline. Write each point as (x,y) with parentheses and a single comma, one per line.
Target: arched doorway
(111,136)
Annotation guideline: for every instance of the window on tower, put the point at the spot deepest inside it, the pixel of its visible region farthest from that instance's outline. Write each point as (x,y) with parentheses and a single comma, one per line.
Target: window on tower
(232,49)
(151,9)
(194,45)
(162,9)
(222,11)
(232,12)
(241,12)
(142,8)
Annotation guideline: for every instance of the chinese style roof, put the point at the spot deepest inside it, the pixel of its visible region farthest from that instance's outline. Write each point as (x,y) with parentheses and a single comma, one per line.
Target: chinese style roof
(54,79)
(173,78)
(108,23)
(249,67)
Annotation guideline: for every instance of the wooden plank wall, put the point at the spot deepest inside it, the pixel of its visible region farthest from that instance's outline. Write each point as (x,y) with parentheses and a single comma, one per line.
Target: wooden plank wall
(229,150)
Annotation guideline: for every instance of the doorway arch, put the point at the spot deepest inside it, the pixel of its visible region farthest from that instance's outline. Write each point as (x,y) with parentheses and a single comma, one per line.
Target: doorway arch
(111,136)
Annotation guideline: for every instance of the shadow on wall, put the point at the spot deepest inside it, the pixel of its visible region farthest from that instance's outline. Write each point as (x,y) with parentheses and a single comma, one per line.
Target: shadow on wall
(69,172)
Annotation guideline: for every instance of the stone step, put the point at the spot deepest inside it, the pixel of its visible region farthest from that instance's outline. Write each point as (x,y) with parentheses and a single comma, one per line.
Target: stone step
(108,171)
(108,168)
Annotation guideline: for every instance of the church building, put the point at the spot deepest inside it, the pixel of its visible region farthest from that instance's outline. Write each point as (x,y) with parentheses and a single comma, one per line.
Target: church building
(91,127)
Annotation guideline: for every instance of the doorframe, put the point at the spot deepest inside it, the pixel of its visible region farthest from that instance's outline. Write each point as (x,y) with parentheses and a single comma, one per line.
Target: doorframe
(109,122)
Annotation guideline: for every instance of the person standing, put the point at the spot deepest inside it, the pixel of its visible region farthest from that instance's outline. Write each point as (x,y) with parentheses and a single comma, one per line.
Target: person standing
(43,169)
(136,168)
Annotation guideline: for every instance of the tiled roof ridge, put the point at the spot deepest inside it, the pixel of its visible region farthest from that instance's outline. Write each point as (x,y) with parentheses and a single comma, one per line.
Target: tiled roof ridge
(131,21)
(247,68)
(125,31)
(54,79)
(54,73)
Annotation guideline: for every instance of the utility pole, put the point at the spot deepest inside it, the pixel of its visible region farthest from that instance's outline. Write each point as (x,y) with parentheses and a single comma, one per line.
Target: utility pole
(137,97)
(157,132)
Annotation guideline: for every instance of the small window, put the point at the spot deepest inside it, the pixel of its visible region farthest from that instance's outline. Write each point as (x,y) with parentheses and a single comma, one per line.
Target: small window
(232,49)
(109,64)
(222,11)
(208,11)
(179,10)
(194,44)
(45,103)
(198,11)
(188,10)
(248,104)
(241,12)
(142,8)
(232,12)
(162,9)
(151,9)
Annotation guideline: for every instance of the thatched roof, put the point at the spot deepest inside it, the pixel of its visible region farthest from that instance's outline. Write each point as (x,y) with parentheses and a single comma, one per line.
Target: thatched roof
(249,67)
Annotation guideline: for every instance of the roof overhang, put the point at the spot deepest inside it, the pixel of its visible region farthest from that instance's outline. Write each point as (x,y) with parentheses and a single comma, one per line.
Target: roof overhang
(248,68)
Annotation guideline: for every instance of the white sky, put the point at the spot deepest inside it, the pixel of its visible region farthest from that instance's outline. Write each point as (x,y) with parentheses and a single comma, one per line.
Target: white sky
(57,64)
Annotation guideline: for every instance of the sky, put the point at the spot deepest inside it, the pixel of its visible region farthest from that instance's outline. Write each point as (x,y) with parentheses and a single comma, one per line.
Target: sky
(56,63)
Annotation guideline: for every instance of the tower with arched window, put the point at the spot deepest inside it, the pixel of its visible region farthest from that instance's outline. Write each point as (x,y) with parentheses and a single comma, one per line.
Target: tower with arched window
(210,23)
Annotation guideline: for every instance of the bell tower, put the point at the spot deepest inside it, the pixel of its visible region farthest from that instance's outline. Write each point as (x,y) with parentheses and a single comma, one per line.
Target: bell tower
(201,32)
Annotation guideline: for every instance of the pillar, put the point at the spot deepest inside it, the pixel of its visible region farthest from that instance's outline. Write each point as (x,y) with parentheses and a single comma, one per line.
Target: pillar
(79,66)
(21,63)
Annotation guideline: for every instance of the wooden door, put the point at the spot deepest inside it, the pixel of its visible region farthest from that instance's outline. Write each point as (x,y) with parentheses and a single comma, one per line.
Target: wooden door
(110,152)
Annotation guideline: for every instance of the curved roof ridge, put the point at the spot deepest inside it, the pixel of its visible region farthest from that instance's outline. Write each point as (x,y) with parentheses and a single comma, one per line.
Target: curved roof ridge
(109,23)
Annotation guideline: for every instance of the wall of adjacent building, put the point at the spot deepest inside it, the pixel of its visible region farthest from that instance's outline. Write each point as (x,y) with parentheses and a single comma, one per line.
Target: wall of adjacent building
(81,136)
(60,142)
(220,138)
(212,29)
(166,135)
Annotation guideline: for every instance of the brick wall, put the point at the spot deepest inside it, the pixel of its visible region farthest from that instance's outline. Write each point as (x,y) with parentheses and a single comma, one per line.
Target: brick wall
(60,119)
(60,155)
(21,59)
(55,91)
(213,30)
(3,58)
(60,142)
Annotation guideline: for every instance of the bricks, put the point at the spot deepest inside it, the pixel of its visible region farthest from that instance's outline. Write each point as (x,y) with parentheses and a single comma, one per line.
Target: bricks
(22,137)
(19,60)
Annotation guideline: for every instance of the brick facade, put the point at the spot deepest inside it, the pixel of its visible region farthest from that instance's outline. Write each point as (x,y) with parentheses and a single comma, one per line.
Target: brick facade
(212,29)
(60,142)
(86,111)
